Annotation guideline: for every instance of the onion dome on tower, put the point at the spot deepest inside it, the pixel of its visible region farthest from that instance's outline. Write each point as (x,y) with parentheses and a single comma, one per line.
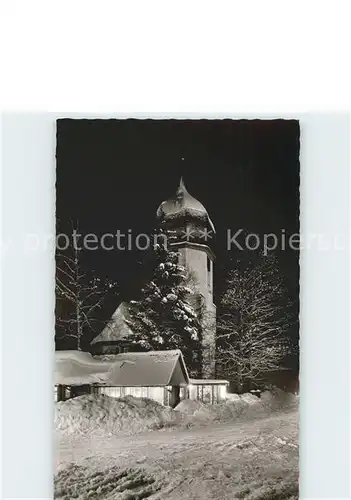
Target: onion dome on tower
(186,216)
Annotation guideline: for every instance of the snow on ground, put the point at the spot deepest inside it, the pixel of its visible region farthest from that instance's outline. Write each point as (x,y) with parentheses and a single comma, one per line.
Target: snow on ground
(250,398)
(218,458)
(100,414)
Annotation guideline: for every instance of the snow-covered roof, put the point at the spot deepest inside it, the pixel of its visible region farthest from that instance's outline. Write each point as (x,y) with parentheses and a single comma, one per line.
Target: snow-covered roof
(117,328)
(79,368)
(182,203)
(138,369)
(205,381)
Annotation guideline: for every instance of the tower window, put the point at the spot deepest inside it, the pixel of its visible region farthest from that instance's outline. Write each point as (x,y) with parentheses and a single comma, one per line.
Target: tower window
(209,277)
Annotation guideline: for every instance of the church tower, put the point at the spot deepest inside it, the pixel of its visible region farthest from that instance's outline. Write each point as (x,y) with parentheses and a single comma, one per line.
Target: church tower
(194,233)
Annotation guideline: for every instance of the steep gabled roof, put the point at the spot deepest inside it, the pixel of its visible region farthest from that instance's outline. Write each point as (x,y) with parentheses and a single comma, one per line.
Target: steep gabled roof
(117,328)
(137,369)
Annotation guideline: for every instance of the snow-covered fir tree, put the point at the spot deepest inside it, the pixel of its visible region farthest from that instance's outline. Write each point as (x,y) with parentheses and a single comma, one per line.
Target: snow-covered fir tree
(253,320)
(163,317)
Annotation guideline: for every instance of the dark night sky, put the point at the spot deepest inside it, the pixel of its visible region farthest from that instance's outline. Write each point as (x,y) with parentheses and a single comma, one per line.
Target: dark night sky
(113,174)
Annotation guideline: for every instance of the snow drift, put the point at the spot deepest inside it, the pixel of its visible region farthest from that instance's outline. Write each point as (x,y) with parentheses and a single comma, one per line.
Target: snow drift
(100,414)
(189,406)
(277,399)
(250,398)
(236,407)
(222,412)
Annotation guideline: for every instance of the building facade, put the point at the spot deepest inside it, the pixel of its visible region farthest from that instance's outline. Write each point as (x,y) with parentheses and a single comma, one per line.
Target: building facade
(158,375)
(193,236)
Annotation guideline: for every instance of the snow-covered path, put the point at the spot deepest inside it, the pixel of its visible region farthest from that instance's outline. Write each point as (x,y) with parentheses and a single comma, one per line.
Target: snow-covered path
(238,460)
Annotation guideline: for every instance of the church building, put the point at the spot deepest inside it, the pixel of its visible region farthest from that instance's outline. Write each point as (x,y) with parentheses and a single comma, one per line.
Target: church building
(194,234)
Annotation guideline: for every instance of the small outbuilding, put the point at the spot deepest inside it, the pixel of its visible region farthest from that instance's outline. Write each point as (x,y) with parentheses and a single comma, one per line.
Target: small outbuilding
(206,390)
(157,375)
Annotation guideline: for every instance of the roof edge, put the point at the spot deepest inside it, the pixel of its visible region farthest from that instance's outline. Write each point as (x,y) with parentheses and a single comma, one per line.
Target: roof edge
(182,363)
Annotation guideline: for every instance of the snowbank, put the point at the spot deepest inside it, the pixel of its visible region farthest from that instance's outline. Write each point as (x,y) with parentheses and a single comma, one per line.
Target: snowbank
(250,398)
(237,407)
(277,399)
(222,412)
(230,396)
(195,413)
(100,414)
(189,406)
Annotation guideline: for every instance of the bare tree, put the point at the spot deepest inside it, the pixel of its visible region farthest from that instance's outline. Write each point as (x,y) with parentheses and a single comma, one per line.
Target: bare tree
(253,321)
(80,295)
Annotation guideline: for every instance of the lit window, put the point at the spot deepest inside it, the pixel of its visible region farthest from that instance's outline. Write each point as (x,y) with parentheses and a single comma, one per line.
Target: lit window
(223,392)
